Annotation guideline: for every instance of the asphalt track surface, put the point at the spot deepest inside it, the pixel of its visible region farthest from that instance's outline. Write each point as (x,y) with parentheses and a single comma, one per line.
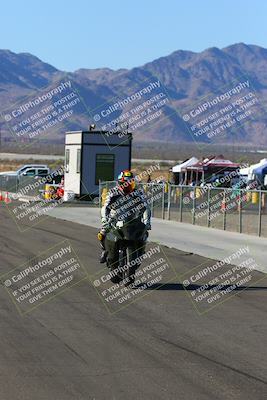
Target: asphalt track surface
(157,348)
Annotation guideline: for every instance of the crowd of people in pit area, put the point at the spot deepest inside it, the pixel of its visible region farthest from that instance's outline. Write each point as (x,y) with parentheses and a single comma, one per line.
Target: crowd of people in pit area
(57,192)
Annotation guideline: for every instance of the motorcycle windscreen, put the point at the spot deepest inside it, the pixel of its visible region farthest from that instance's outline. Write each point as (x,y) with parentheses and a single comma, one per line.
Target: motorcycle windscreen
(133,229)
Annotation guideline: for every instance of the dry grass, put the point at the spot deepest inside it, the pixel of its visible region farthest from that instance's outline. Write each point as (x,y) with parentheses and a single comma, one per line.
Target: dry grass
(9,166)
(14,165)
(162,173)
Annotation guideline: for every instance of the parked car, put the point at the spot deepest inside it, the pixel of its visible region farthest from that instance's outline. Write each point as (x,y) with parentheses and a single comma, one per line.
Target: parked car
(30,170)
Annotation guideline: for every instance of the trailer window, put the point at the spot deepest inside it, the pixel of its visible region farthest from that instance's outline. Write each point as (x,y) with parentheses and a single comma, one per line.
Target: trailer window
(67,160)
(78,166)
(104,170)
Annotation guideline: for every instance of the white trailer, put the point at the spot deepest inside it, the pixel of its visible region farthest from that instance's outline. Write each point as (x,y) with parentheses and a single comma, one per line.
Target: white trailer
(93,156)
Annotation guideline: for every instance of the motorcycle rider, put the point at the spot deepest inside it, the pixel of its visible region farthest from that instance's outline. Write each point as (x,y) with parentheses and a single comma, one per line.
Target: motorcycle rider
(120,202)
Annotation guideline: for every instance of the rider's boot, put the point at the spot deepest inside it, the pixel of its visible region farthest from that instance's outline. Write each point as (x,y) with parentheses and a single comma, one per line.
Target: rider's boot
(103,257)
(104,253)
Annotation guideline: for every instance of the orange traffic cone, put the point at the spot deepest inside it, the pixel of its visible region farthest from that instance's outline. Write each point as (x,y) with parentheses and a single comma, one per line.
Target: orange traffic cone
(223,206)
(7,199)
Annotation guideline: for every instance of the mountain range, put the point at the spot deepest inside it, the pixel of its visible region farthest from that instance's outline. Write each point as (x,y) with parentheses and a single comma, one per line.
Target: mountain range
(187,80)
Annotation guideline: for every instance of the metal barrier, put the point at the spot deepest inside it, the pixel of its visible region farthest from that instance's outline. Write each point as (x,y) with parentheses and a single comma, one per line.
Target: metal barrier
(9,183)
(29,186)
(236,210)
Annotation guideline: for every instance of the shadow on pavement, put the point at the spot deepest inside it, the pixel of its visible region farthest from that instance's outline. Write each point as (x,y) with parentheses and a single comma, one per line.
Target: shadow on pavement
(179,286)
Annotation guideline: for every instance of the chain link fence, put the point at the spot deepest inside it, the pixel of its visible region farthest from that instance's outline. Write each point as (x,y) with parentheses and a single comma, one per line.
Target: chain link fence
(235,210)
(9,183)
(24,185)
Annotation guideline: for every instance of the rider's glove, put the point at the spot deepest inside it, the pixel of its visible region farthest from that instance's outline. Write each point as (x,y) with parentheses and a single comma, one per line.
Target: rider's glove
(106,226)
(101,235)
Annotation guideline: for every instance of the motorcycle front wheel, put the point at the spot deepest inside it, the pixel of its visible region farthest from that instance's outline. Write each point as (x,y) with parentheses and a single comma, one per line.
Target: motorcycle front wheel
(129,273)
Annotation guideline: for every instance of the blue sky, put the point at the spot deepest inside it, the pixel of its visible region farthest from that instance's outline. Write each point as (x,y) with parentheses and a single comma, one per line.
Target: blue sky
(126,33)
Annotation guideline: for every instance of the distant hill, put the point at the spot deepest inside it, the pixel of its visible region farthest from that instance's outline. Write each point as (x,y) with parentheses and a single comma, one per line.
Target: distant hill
(188,79)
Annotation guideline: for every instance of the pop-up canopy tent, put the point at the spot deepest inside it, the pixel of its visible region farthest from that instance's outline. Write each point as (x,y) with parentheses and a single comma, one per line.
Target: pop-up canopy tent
(203,170)
(179,170)
(179,167)
(244,171)
(260,171)
(250,171)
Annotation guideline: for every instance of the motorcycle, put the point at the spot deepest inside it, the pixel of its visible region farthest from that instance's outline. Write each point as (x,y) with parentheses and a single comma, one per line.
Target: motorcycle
(130,236)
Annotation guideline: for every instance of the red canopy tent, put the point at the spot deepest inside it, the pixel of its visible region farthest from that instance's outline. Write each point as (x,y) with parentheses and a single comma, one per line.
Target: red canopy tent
(203,170)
